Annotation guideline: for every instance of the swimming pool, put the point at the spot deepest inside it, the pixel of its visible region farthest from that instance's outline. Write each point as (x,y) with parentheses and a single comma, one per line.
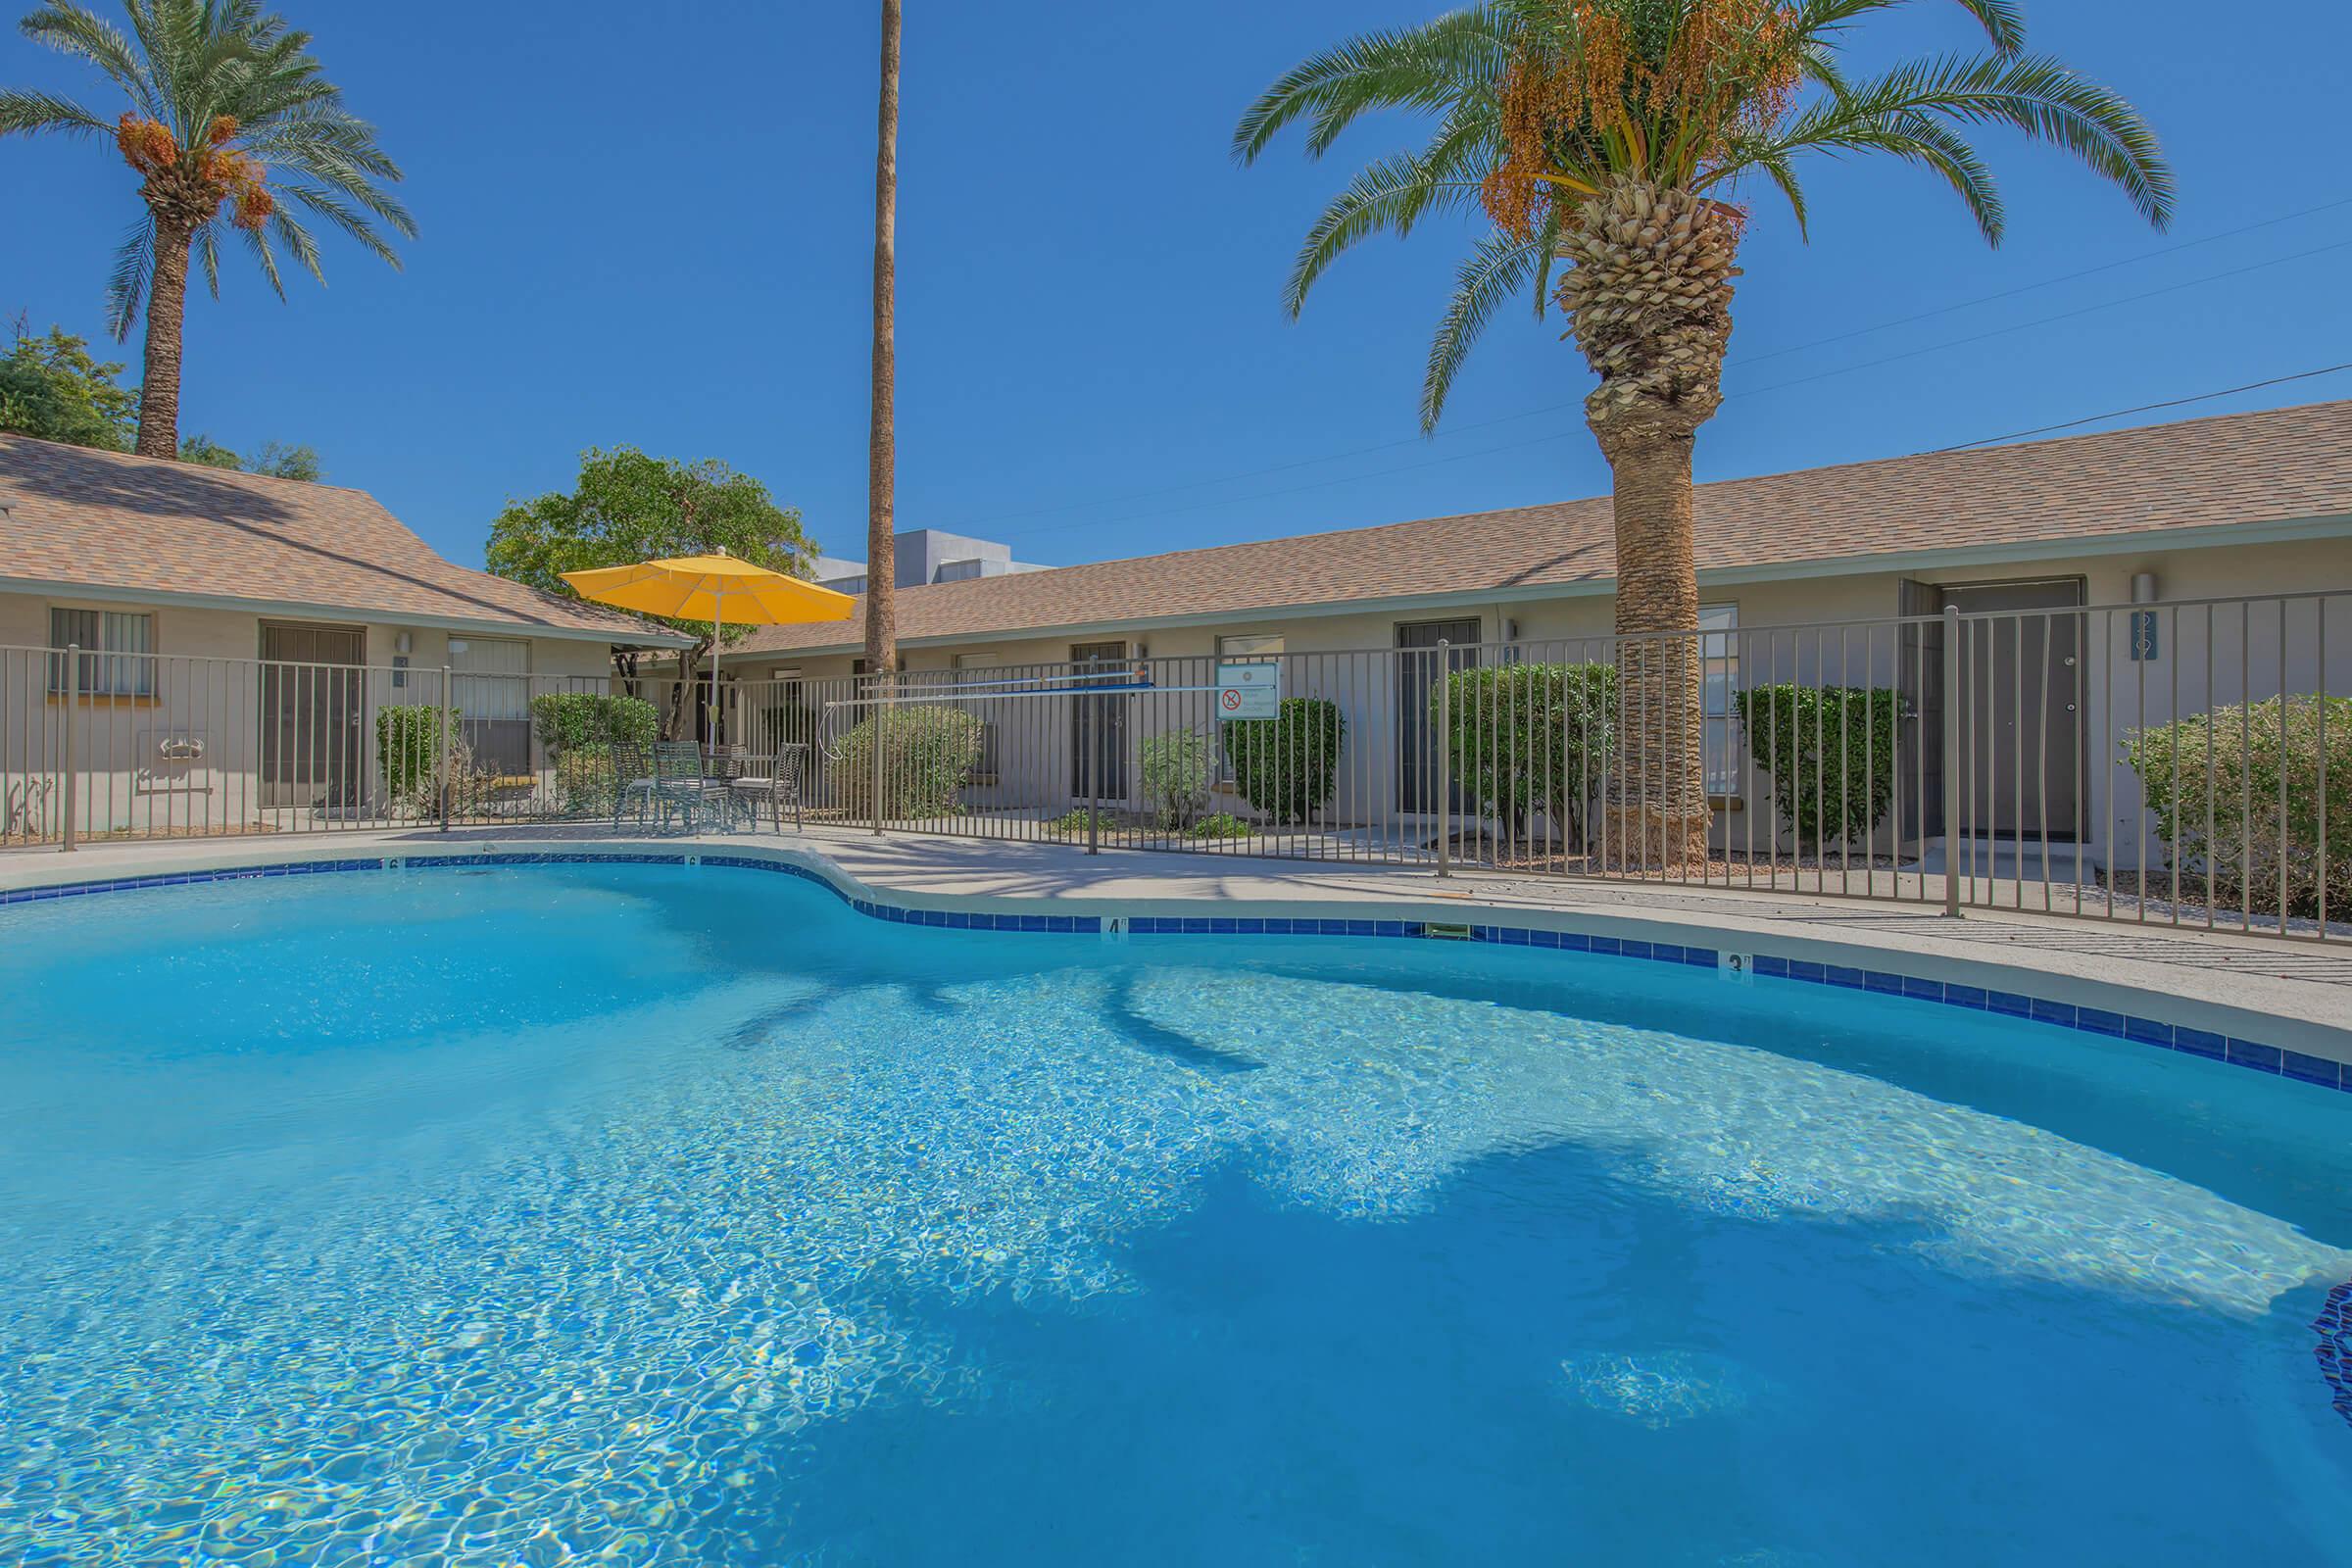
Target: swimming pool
(648,1213)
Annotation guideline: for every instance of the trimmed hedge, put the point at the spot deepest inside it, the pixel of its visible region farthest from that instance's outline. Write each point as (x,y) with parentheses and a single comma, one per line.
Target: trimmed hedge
(407,747)
(565,721)
(1831,753)
(1284,766)
(2251,844)
(1530,736)
(579,730)
(929,753)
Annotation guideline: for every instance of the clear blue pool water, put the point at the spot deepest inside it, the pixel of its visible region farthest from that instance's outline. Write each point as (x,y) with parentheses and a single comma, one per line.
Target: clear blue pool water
(644,1214)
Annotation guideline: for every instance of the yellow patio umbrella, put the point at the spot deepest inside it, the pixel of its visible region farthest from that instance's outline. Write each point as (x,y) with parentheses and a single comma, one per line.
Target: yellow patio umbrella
(719,589)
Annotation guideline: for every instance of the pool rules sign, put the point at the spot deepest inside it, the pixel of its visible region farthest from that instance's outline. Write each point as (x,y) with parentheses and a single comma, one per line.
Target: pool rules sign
(1249,688)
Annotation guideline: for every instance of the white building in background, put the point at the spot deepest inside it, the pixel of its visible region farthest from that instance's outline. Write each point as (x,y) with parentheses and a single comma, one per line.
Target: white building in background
(928,555)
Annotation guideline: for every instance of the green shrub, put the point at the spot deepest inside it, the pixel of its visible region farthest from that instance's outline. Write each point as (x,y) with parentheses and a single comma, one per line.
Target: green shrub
(408,749)
(1219,825)
(587,782)
(1072,824)
(2232,826)
(1175,775)
(567,720)
(929,753)
(579,731)
(1831,753)
(1530,737)
(1284,766)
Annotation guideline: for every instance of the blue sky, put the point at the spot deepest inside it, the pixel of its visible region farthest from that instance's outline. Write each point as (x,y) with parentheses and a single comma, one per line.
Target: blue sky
(652,224)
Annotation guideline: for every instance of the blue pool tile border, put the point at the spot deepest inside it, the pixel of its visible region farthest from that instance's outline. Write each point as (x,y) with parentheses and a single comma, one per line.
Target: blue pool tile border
(2254,1056)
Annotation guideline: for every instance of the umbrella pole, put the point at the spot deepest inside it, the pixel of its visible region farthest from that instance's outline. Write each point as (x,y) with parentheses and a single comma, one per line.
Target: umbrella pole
(718,611)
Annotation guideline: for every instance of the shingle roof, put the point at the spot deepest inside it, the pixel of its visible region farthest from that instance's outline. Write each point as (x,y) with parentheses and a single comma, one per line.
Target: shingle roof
(2274,465)
(112,521)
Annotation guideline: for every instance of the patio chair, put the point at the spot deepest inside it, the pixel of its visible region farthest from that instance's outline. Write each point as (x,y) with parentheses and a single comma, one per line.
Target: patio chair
(775,779)
(679,783)
(632,782)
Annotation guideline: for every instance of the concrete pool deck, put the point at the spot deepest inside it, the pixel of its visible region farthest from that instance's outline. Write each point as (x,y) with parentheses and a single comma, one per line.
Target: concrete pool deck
(2289,992)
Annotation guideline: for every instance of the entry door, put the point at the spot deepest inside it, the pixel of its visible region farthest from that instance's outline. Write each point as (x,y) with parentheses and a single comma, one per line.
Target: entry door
(2021,728)
(1098,730)
(313,748)
(1416,686)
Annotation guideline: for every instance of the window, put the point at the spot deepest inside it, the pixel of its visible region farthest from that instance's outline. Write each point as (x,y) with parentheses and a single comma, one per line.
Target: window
(1251,645)
(1719,676)
(490,685)
(116,652)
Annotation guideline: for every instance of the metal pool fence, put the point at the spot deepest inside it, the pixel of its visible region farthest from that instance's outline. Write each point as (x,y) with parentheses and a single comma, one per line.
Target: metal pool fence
(2186,762)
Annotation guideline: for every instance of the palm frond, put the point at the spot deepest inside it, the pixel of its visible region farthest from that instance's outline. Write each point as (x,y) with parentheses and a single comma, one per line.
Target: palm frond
(1389,196)
(77,31)
(1496,270)
(26,113)
(2040,96)
(1429,67)
(208,252)
(127,283)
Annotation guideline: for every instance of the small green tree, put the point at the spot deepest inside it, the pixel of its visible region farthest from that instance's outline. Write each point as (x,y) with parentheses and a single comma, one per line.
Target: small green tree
(52,389)
(627,507)
(409,747)
(211,453)
(1284,766)
(276,460)
(928,755)
(2213,783)
(1530,737)
(1175,775)
(1831,753)
(579,731)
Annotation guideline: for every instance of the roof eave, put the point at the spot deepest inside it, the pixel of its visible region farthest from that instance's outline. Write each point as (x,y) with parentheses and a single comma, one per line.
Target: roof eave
(649,636)
(2018,552)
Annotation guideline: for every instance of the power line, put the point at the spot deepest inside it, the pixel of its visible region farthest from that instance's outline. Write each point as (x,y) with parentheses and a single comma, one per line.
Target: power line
(2048,282)
(1742,360)
(1777,386)
(2144,408)
(2046,321)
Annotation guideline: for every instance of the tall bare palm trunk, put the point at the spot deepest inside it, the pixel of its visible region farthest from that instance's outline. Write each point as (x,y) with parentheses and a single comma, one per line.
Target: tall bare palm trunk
(882,449)
(1648,299)
(167,311)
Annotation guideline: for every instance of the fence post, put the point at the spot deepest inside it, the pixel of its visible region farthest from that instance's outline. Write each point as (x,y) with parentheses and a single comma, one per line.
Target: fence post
(1952,761)
(73,714)
(443,748)
(1093,772)
(877,750)
(1444,758)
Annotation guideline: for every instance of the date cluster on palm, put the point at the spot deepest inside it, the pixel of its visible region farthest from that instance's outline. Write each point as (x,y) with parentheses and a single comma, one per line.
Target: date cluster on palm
(1648,300)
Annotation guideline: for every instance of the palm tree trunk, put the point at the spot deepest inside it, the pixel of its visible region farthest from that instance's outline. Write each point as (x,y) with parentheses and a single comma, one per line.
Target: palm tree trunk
(882,447)
(166,309)
(1648,300)
(1659,788)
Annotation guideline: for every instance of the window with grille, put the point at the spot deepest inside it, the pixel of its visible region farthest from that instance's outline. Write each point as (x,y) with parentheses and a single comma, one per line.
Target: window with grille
(1719,673)
(116,652)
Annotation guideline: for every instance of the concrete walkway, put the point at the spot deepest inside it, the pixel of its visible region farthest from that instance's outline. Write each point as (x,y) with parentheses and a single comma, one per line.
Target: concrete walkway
(2290,992)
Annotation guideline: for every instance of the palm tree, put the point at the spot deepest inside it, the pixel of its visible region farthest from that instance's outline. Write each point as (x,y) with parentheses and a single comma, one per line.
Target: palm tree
(1612,136)
(882,439)
(231,127)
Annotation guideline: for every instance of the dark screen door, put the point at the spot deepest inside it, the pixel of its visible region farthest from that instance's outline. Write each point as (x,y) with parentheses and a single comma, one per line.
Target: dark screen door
(1417,662)
(1098,729)
(313,748)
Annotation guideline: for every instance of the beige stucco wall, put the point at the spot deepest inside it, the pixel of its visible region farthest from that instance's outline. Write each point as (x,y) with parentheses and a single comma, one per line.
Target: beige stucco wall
(1838,628)
(190,758)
